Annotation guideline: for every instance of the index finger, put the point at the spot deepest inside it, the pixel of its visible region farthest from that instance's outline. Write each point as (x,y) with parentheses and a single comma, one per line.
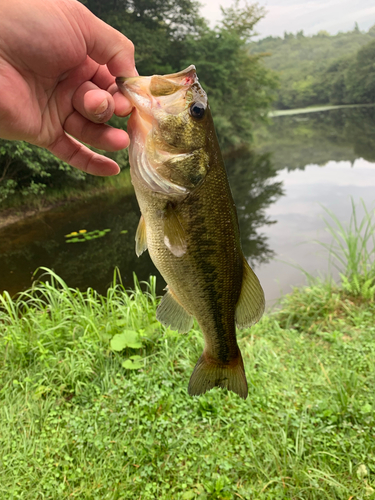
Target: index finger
(106,45)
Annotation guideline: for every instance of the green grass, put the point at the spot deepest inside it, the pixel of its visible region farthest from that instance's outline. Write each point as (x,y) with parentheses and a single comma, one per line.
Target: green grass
(76,423)
(352,250)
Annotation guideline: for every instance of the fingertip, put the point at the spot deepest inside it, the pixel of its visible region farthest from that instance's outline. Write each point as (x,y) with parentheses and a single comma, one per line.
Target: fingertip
(123,106)
(123,63)
(99,106)
(79,156)
(102,166)
(99,135)
(118,139)
(96,104)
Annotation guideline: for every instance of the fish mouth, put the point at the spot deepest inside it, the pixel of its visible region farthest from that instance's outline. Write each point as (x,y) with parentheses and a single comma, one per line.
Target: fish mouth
(149,93)
(155,95)
(187,76)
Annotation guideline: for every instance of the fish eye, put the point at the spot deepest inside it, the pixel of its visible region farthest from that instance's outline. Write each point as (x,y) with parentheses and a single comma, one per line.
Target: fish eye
(197,110)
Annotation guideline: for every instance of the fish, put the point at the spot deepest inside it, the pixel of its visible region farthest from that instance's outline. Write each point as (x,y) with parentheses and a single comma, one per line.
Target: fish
(189,223)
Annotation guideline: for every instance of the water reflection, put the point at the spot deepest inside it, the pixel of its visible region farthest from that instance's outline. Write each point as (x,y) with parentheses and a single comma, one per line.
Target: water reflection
(321,162)
(317,138)
(254,189)
(302,163)
(41,241)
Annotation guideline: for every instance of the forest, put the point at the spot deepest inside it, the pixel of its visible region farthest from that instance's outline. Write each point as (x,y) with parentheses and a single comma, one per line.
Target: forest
(168,36)
(242,77)
(322,68)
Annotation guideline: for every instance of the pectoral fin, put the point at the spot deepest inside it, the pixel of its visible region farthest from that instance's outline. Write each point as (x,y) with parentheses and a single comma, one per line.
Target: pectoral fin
(140,237)
(251,303)
(174,233)
(171,313)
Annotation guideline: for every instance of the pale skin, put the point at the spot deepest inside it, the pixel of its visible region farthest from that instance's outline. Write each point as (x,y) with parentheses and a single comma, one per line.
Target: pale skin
(58,64)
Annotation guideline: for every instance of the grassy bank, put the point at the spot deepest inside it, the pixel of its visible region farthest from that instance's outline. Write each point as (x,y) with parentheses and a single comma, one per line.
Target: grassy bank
(77,422)
(18,207)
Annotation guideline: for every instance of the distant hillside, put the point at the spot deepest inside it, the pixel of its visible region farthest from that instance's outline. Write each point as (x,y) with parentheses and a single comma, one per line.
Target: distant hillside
(308,66)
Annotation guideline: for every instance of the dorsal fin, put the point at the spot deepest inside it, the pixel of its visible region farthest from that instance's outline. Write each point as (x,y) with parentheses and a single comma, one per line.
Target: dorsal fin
(171,313)
(141,237)
(174,233)
(251,303)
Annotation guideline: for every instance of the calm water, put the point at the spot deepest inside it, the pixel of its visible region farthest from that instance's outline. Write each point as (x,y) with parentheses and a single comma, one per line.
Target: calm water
(302,164)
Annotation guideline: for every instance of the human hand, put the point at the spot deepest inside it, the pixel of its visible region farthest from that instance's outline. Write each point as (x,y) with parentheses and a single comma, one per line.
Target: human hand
(58,64)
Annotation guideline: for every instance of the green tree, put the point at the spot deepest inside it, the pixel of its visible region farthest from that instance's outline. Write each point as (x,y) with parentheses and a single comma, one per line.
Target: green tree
(312,69)
(168,36)
(156,27)
(239,86)
(360,77)
(27,169)
(242,21)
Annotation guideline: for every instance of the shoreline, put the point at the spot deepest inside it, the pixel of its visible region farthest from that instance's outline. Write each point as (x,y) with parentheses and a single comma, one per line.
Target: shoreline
(13,215)
(315,109)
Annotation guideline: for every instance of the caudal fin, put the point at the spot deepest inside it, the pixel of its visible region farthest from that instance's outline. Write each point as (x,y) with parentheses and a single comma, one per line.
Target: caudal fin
(209,373)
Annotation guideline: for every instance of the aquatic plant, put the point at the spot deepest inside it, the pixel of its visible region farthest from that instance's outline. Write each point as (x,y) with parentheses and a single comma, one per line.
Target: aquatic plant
(82,235)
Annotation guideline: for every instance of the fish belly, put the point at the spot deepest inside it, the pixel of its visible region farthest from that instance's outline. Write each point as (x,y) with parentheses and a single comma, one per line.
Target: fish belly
(206,279)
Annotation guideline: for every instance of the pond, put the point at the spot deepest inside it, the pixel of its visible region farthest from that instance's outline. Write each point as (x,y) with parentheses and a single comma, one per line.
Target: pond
(302,164)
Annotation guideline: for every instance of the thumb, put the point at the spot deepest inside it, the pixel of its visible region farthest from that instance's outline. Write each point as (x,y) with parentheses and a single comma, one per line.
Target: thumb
(106,45)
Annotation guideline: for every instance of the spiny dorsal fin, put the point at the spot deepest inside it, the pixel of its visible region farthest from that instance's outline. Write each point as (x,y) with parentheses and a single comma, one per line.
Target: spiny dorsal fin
(171,313)
(208,374)
(251,303)
(174,233)
(140,237)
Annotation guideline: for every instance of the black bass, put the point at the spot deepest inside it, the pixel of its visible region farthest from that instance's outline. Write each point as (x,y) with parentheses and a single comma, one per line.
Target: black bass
(189,222)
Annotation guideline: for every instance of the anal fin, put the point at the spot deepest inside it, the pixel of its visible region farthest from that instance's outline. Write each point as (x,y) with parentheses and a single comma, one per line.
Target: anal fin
(250,306)
(171,313)
(141,237)
(208,374)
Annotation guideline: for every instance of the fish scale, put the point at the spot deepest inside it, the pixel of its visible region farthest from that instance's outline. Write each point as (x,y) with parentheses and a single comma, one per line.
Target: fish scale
(189,223)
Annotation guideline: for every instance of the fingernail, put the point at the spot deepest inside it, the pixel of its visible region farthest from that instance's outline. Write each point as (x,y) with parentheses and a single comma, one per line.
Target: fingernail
(135,71)
(101,108)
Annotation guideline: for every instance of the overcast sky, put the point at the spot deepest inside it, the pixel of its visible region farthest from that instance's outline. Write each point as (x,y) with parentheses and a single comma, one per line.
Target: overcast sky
(310,16)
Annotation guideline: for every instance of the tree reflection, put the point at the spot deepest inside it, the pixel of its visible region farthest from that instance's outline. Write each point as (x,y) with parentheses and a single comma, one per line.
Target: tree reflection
(254,189)
(316,138)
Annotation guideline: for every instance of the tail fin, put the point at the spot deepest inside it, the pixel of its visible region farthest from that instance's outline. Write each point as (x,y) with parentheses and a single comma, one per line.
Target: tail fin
(209,373)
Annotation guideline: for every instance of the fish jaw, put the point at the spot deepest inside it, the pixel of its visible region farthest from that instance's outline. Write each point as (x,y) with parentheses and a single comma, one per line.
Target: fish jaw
(163,143)
(150,93)
(155,97)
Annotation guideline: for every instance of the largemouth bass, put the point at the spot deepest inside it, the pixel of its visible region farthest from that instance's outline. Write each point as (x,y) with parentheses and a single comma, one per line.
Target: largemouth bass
(189,222)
